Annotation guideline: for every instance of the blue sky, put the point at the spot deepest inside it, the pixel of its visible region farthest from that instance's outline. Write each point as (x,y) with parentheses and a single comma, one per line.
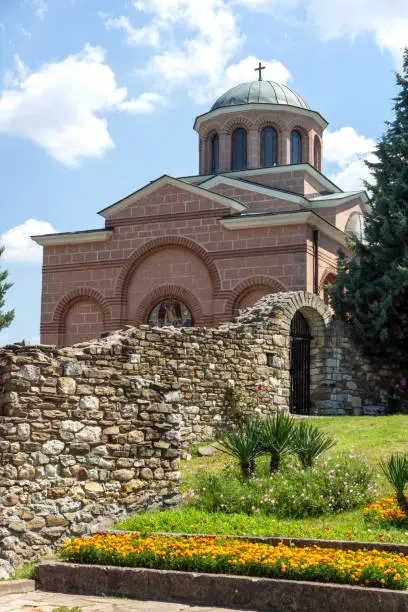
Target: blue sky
(98,97)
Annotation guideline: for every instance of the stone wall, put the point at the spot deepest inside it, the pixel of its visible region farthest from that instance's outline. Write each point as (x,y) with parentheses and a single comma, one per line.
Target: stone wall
(82,440)
(346,381)
(84,436)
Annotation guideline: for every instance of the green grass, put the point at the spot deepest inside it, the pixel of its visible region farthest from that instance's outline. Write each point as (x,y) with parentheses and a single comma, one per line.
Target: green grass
(373,437)
(25,572)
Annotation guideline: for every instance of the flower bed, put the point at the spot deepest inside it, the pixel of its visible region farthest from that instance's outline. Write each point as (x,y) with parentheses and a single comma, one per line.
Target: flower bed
(226,556)
(386,510)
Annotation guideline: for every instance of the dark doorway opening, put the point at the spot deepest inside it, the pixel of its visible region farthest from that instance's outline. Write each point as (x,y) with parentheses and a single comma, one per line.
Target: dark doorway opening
(299,401)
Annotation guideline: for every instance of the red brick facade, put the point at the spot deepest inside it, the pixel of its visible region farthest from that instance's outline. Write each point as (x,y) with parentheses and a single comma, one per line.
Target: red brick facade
(217,244)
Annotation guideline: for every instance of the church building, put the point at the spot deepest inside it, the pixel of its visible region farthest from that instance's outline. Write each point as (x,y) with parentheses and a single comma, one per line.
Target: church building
(259,218)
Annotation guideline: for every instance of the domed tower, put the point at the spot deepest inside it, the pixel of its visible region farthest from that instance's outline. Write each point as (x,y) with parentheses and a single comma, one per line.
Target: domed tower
(259,124)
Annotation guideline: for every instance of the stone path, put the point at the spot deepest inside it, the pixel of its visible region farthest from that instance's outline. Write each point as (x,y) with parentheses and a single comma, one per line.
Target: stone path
(39,601)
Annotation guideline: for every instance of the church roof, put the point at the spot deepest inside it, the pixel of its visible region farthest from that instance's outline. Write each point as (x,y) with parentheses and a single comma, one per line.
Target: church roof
(260,92)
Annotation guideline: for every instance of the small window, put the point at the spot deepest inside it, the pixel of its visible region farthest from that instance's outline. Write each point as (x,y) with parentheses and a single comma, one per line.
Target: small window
(317,154)
(215,153)
(295,147)
(269,147)
(239,149)
(170,312)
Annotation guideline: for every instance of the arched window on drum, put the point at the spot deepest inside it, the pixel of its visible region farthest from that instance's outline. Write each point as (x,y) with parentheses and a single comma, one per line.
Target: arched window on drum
(239,150)
(215,154)
(170,313)
(269,147)
(295,147)
(317,153)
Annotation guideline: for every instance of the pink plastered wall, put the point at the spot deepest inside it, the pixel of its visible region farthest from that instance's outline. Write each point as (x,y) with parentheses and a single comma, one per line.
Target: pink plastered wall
(180,249)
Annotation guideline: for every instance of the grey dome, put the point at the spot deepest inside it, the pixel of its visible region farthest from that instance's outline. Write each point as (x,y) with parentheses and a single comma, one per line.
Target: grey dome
(260,92)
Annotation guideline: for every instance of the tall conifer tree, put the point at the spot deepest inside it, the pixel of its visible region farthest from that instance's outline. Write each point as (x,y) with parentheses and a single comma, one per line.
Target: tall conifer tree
(5,317)
(371,290)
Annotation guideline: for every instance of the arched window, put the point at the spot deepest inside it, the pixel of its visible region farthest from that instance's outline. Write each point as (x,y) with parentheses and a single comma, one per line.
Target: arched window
(317,154)
(295,147)
(269,147)
(355,226)
(170,312)
(239,149)
(215,153)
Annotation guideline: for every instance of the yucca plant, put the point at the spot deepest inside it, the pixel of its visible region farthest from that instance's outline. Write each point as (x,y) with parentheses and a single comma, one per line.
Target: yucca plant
(395,469)
(243,443)
(309,443)
(277,433)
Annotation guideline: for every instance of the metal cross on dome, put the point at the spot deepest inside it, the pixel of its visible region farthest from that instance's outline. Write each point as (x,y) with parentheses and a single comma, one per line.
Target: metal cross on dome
(259,69)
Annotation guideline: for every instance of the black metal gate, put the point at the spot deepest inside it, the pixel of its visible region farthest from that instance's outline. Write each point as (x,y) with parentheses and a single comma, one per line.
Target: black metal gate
(299,402)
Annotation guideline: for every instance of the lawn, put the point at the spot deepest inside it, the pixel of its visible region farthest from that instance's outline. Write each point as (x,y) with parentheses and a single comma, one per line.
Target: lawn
(370,438)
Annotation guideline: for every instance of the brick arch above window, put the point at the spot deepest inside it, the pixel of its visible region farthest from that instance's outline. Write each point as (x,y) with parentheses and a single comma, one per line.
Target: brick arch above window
(81,293)
(265,121)
(237,122)
(147,249)
(73,297)
(163,292)
(207,131)
(329,276)
(249,285)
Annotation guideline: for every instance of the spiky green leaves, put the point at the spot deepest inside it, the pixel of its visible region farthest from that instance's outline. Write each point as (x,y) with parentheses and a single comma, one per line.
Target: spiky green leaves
(309,443)
(277,433)
(243,443)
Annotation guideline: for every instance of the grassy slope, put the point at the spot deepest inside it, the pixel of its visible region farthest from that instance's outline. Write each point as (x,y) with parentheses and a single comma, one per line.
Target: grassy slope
(373,437)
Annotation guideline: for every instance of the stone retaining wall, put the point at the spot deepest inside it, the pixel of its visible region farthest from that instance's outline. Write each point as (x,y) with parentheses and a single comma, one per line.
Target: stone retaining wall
(243,592)
(82,440)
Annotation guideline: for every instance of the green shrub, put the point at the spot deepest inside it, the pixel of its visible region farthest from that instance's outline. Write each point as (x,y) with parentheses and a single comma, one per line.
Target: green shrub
(277,433)
(396,472)
(292,493)
(243,443)
(309,443)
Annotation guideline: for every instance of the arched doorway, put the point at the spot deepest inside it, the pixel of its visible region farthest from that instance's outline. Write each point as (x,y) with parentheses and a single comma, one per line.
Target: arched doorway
(300,338)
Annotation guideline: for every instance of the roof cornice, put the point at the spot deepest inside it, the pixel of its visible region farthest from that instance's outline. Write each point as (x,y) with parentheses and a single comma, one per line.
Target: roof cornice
(242,108)
(169,180)
(305,167)
(73,237)
(296,217)
(249,186)
(326,201)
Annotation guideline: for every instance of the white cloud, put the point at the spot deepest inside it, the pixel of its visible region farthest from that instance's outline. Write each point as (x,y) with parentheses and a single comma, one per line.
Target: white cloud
(18,244)
(386,21)
(24,32)
(211,40)
(145,103)
(347,150)
(135,36)
(40,7)
(197,44)
(245,71)
(60,106)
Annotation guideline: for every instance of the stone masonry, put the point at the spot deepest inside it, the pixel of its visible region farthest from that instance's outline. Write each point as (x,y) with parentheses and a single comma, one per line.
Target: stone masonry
(95,431)
(82,440)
